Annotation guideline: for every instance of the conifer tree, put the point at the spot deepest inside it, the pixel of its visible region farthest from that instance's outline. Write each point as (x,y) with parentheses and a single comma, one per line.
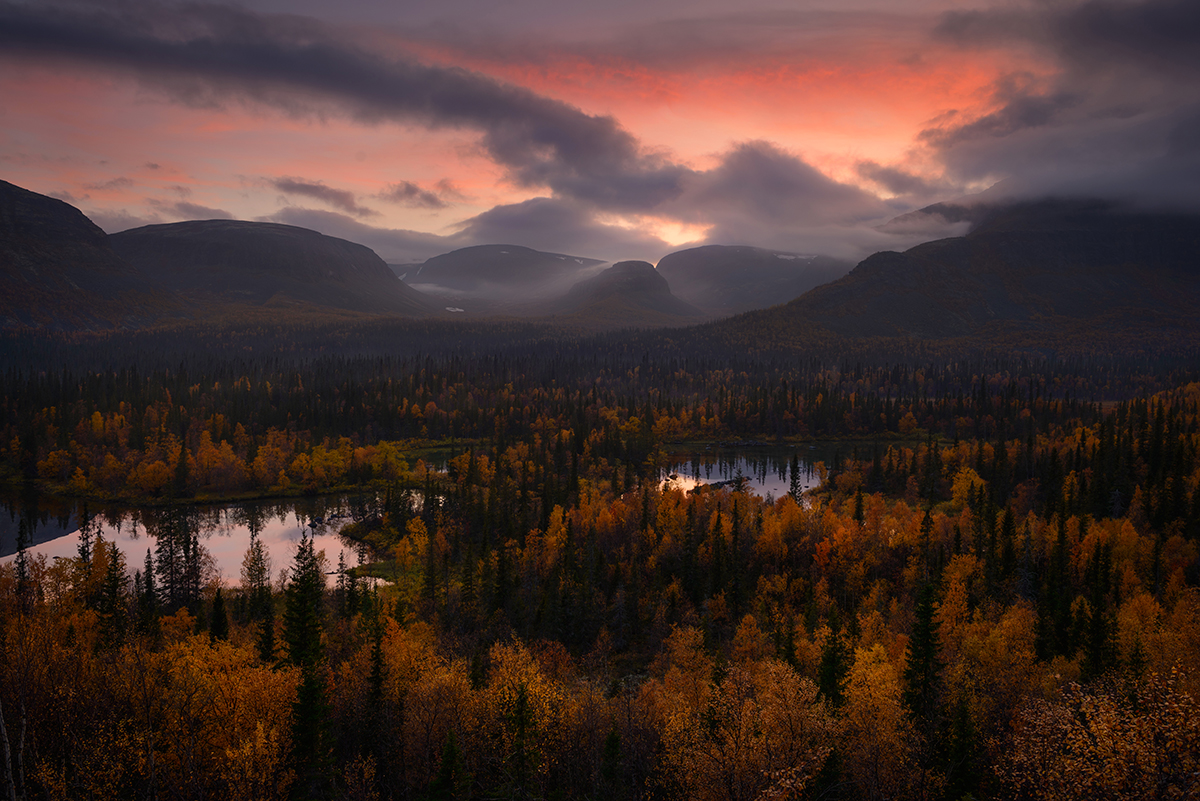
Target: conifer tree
(923,665)
(111,601)
(218,627)
(303,625)
(179,484)
(795,488)
(833,672)
(147,600)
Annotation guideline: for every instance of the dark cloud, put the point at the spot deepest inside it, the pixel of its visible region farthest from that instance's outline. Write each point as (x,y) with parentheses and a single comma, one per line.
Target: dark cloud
(66,197)
(194,211)
(1116,118)
(205,54)
(1162,35)
(112,221)
(406,193)
(560,226)
(1021,108)
(901,182)
(114,183)
(1157,35)
(337,198)
(606,186)
(760,180)
(392,245)
(687,38)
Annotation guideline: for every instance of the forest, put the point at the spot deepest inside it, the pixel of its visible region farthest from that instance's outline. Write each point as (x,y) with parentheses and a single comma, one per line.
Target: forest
(991,594)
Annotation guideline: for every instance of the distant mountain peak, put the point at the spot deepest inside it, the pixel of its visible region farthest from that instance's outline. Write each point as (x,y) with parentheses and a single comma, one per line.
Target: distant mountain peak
(507,268)
(635,286)
(728,279)
(1035,266)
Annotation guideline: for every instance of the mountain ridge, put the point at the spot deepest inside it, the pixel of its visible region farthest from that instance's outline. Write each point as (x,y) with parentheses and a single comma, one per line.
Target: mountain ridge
(1046,267)
(258,263)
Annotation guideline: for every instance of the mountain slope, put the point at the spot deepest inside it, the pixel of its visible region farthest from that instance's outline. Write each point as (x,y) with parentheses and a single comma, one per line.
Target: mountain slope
(1033,267)
(59,270)
(504,268)
(257,263)
(628,293)
(728,279)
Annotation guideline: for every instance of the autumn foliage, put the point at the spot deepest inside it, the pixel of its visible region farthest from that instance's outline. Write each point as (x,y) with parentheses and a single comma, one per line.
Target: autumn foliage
(992,594)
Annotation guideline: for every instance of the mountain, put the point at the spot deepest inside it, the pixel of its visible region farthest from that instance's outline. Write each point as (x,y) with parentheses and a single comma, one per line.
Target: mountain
(508,269)
(728,279)
(627,293)
(255,264)
(58,269)
(1043,268)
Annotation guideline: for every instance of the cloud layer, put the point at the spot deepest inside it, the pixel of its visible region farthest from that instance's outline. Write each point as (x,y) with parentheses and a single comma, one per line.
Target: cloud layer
(1119,116)
(1086,98)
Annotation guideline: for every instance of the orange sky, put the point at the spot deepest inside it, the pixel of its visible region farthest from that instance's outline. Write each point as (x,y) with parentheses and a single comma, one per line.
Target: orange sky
(91,136)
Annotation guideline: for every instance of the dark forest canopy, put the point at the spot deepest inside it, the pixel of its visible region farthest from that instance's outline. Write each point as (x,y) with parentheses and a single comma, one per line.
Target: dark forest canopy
(993,591)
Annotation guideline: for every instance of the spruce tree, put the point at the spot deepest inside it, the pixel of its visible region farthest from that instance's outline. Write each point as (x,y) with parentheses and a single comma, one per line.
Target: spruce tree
(832,674)
(923,666)
(111,601)
(795,490)
(218,627)
(303,623)
(179,485)
(147,600)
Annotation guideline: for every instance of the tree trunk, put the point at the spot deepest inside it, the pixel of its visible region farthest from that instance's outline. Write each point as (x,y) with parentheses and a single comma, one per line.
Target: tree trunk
(9,778)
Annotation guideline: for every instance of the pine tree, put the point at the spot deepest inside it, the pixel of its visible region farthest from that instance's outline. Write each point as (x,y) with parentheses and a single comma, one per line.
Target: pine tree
(147,600)
(833,672)
(218,627)
(24,580)
(452,778)
(179,485)
(256,579)
(923,666)
(266,638)
(111,601)
(795,489)
(304,612)
(303,625)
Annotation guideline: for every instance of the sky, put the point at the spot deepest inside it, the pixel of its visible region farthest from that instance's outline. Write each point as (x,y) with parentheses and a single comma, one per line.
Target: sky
(619,129)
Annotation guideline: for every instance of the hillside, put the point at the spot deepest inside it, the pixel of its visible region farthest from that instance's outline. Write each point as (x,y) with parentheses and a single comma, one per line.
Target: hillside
(1031,270)
(511,270)
(257,264)
(628,293)
(58,270)
(728,279)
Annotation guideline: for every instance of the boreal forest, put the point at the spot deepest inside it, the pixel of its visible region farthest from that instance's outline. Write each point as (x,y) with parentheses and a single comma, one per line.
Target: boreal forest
(990,592)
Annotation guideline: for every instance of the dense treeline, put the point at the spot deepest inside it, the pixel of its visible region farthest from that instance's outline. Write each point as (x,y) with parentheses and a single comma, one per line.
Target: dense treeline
(992,594)
(231,419)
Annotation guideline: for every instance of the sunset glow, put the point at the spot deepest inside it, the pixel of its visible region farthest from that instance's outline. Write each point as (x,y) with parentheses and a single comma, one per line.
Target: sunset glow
(418,136)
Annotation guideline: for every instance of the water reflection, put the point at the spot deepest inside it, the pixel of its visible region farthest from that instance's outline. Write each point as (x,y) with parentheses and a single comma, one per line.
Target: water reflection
(52,527)
(764,470)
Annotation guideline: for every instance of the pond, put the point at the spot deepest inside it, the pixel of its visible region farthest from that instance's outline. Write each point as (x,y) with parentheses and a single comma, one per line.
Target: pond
(52,523)
(766,470)
(223,530)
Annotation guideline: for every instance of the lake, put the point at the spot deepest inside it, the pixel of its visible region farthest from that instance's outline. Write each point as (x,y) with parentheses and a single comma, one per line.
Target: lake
(224,529)
(766,469)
